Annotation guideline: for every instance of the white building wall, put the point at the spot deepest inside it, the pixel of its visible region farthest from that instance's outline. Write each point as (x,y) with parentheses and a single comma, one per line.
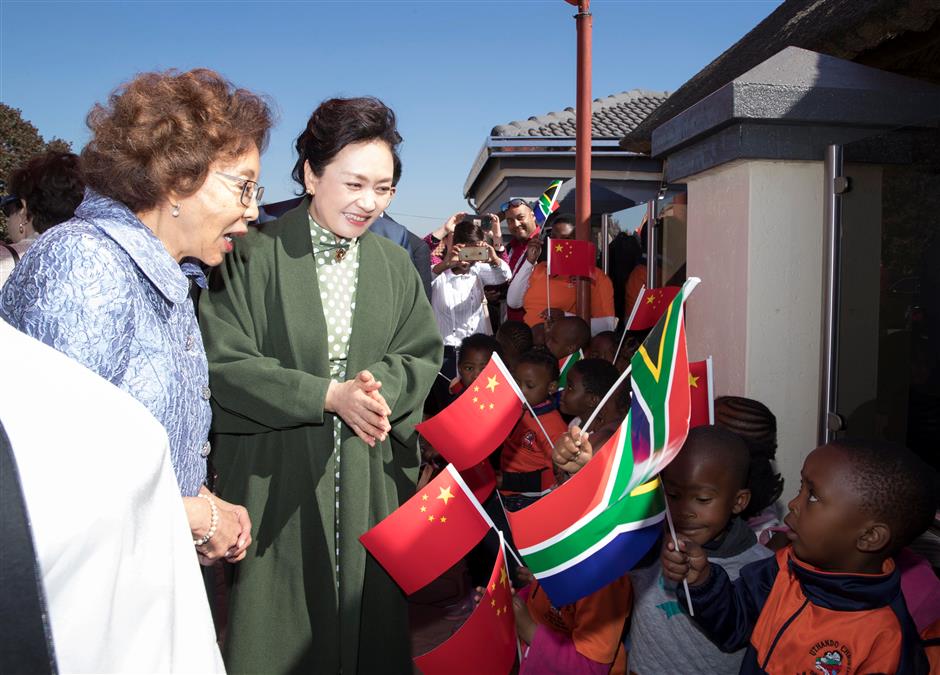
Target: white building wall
(755,238)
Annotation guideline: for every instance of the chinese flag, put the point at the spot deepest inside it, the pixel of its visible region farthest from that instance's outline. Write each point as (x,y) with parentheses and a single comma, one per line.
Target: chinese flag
(481,479)
(477,423)
(571,257)
(486,643)
(700,390)
(429,533)
(650,306)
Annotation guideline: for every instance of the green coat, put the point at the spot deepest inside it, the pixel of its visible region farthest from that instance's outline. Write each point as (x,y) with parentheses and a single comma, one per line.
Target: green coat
(265,336)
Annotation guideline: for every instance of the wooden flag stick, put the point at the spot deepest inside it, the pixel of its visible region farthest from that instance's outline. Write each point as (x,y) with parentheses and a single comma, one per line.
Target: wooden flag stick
(502,545)
(512,551)
(539,422)
(675,541)
(626,326)
(606,398)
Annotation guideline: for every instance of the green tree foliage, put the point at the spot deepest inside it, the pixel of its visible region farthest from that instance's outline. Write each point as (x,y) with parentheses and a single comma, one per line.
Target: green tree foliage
(20,141)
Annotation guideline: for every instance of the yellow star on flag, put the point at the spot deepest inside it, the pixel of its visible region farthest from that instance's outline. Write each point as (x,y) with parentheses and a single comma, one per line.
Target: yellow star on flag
(492,383)
(445,495)
(559,248)
(423,509)
(650,299)
(492,405)
(493,602)
(693,380)
(443,519)
(493,586)
(424,497)
(476,399)
(502,577)
(431,518)
(476,389)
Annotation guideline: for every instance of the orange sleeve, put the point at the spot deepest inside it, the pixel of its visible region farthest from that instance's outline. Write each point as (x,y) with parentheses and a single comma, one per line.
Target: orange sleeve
(535,301)
(635,281)
(599,620)
(602,295)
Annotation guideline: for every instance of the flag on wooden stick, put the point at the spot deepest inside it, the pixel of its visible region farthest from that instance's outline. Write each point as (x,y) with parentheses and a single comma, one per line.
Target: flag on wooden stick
(701,390)
(486,642)
(470,428)
(650,305)
(429,533)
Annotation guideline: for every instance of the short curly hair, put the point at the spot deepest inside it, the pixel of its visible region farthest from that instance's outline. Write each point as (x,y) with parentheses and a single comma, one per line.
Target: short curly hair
(160,133)
(52,187)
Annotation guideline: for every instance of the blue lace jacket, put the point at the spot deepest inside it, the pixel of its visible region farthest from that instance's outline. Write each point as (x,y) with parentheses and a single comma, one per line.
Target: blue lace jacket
(102,289)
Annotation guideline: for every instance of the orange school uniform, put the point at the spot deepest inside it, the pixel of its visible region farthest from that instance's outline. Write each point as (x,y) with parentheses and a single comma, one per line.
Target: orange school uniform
(526,456)
(796,618)
(594,624)
(564,295)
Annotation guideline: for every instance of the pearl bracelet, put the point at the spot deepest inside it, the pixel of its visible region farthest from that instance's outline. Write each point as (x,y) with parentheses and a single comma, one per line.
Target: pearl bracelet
(213,521)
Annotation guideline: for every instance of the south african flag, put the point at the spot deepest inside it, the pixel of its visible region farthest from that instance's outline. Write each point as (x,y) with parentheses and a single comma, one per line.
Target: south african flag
(547,203)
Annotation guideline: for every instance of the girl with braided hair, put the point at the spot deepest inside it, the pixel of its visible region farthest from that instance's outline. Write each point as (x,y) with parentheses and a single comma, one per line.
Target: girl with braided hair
(756,424)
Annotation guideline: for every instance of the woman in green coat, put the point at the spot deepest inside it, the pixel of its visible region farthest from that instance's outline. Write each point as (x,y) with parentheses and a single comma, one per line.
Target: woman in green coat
(322,347)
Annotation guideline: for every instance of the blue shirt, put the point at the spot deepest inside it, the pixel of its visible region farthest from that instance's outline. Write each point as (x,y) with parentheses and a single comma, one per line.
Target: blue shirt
(102,289)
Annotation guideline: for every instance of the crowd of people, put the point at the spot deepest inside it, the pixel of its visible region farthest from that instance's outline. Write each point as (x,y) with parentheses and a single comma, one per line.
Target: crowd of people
(197,382)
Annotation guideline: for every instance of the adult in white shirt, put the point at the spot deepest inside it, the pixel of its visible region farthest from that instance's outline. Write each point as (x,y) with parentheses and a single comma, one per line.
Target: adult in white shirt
(457,295)
(113,545)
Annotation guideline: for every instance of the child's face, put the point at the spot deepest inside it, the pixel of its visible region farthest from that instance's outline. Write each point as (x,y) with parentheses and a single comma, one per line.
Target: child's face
(557,345)
(575,399)
(827,518)
(472,362)
(535,381)
(702,495)
(602,347)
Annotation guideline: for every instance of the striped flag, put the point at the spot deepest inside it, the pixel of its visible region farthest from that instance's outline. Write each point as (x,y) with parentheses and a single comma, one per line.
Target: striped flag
(598,525)
(661,405)
(565,365)
(547,203)
(587,533)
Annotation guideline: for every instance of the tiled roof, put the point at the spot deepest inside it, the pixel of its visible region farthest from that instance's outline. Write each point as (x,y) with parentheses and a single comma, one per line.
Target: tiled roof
(612,117)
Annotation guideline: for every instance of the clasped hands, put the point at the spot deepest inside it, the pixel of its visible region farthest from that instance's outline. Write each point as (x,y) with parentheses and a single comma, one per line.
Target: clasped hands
(361,406)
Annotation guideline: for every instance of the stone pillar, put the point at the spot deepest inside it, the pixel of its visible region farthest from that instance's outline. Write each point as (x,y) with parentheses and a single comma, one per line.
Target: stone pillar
(755,239)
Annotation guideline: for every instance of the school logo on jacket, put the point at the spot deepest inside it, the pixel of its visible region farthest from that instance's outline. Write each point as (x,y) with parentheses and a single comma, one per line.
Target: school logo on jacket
(832,658)
(528,440)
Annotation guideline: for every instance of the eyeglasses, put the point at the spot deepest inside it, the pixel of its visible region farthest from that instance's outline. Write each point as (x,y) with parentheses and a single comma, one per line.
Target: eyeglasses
(513,203)
(250,189)
(10,204)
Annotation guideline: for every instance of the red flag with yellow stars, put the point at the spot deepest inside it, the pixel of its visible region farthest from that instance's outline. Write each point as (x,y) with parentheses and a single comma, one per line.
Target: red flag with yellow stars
(571,257)
(470,428)
(486,642)
(700,391)
(428,534)
(650,306)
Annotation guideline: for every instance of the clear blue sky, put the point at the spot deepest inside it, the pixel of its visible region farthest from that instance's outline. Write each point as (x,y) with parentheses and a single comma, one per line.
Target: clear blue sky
(451,69)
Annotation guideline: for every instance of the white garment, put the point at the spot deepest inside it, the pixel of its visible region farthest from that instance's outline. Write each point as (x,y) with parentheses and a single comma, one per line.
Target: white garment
(7,261)
(457,300)
(115,551)
(515,294)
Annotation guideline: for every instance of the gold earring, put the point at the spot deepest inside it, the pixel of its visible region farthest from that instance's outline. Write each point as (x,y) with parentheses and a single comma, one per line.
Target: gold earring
(176,210)
(22,229)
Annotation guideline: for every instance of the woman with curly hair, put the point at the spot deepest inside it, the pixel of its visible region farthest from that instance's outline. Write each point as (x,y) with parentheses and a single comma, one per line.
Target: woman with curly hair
(44,192)
(171,170)
(322,348)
